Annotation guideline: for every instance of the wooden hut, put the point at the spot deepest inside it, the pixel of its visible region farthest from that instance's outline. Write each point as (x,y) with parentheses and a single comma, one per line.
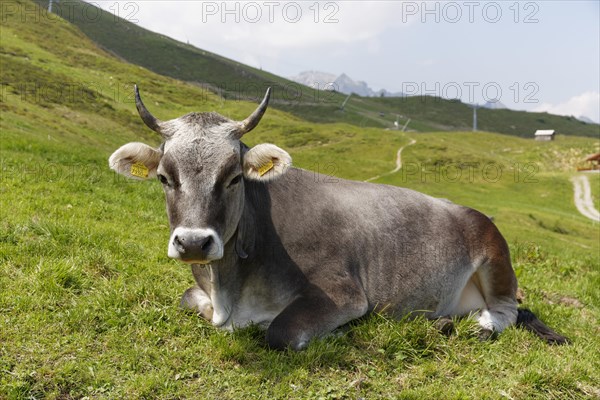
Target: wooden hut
(545,134)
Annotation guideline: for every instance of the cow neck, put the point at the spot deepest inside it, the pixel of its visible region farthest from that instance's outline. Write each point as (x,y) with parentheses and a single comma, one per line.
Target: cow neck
(245,235)
(227,264)
(224,284)
(227,274)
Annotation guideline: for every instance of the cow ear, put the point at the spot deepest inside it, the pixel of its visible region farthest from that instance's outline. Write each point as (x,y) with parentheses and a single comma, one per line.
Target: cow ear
(135,160)
(266,162)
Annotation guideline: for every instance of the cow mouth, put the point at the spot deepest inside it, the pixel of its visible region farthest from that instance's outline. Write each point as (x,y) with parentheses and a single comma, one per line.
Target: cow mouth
(198,262)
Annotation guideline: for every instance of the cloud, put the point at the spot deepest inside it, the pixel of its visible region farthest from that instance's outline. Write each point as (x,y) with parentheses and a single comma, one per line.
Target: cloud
(586,104)
(271,29)
(280,24)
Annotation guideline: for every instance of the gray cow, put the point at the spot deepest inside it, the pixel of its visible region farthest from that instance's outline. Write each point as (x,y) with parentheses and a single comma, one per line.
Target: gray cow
(301,254)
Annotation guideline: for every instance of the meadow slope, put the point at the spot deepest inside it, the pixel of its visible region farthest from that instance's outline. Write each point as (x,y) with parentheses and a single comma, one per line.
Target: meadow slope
(89,299)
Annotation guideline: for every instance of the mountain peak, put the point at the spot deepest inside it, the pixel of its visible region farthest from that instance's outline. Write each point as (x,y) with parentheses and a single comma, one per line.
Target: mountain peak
(343,83)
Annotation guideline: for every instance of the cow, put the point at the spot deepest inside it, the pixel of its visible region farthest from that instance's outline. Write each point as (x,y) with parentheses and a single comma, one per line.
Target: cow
(301,254)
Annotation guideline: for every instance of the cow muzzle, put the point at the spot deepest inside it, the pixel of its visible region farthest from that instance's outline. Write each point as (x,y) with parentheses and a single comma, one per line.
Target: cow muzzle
(195,246)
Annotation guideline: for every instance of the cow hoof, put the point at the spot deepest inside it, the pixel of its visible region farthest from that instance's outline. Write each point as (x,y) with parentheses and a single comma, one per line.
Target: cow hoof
(444,325)
(486,334)
(281,344)
(282,339)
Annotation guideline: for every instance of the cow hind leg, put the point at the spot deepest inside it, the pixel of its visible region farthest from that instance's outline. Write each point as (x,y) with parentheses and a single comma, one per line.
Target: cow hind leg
(197,300)
(490,291)
(498,286)
(490,294)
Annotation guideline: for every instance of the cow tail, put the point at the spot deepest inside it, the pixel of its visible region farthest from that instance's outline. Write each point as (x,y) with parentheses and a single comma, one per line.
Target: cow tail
(527,320)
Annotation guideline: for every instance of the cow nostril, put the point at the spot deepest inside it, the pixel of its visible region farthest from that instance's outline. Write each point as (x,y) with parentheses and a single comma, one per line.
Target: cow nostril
(178,241)
(207,242)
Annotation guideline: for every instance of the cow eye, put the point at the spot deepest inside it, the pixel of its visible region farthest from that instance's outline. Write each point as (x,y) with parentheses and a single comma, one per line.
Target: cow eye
(163,180)
(235,180)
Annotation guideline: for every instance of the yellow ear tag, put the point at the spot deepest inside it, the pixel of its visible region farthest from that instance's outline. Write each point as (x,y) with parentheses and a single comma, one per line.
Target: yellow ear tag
(266,168)
(139,170)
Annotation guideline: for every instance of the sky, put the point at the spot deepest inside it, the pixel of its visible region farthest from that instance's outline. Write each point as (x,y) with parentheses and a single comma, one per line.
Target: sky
(529,55)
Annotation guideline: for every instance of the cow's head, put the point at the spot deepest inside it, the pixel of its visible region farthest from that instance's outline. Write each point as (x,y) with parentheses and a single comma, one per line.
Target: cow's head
(202,166)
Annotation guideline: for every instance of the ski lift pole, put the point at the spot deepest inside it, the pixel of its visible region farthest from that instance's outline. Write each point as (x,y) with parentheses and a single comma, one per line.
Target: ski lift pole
(345,101)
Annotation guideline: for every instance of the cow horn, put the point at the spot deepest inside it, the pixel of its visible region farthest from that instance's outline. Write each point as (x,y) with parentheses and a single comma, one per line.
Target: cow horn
(250,123)
(149,120)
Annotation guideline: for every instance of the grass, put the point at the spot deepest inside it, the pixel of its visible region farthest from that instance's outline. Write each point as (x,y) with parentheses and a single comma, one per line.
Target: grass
(89,299)
(595,187)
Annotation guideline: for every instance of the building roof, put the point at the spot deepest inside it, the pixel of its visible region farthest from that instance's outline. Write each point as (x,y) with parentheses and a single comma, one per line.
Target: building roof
(544,132)
(593,157)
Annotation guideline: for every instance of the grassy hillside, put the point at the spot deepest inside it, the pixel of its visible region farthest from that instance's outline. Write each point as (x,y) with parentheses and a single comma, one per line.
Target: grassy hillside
(454,115)
(88,297)
(233,80)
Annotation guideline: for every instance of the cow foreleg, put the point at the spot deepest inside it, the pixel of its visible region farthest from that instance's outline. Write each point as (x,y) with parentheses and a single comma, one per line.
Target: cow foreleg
(197,300)
(312,314)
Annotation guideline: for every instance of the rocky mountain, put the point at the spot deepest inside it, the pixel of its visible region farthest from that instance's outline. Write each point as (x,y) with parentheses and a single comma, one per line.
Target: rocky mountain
(342,83)
(345,84)
(587,120)
(314,79)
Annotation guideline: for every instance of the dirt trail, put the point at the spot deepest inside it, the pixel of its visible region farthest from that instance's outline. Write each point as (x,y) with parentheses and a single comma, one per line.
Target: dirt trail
(398,162)
(583,197)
